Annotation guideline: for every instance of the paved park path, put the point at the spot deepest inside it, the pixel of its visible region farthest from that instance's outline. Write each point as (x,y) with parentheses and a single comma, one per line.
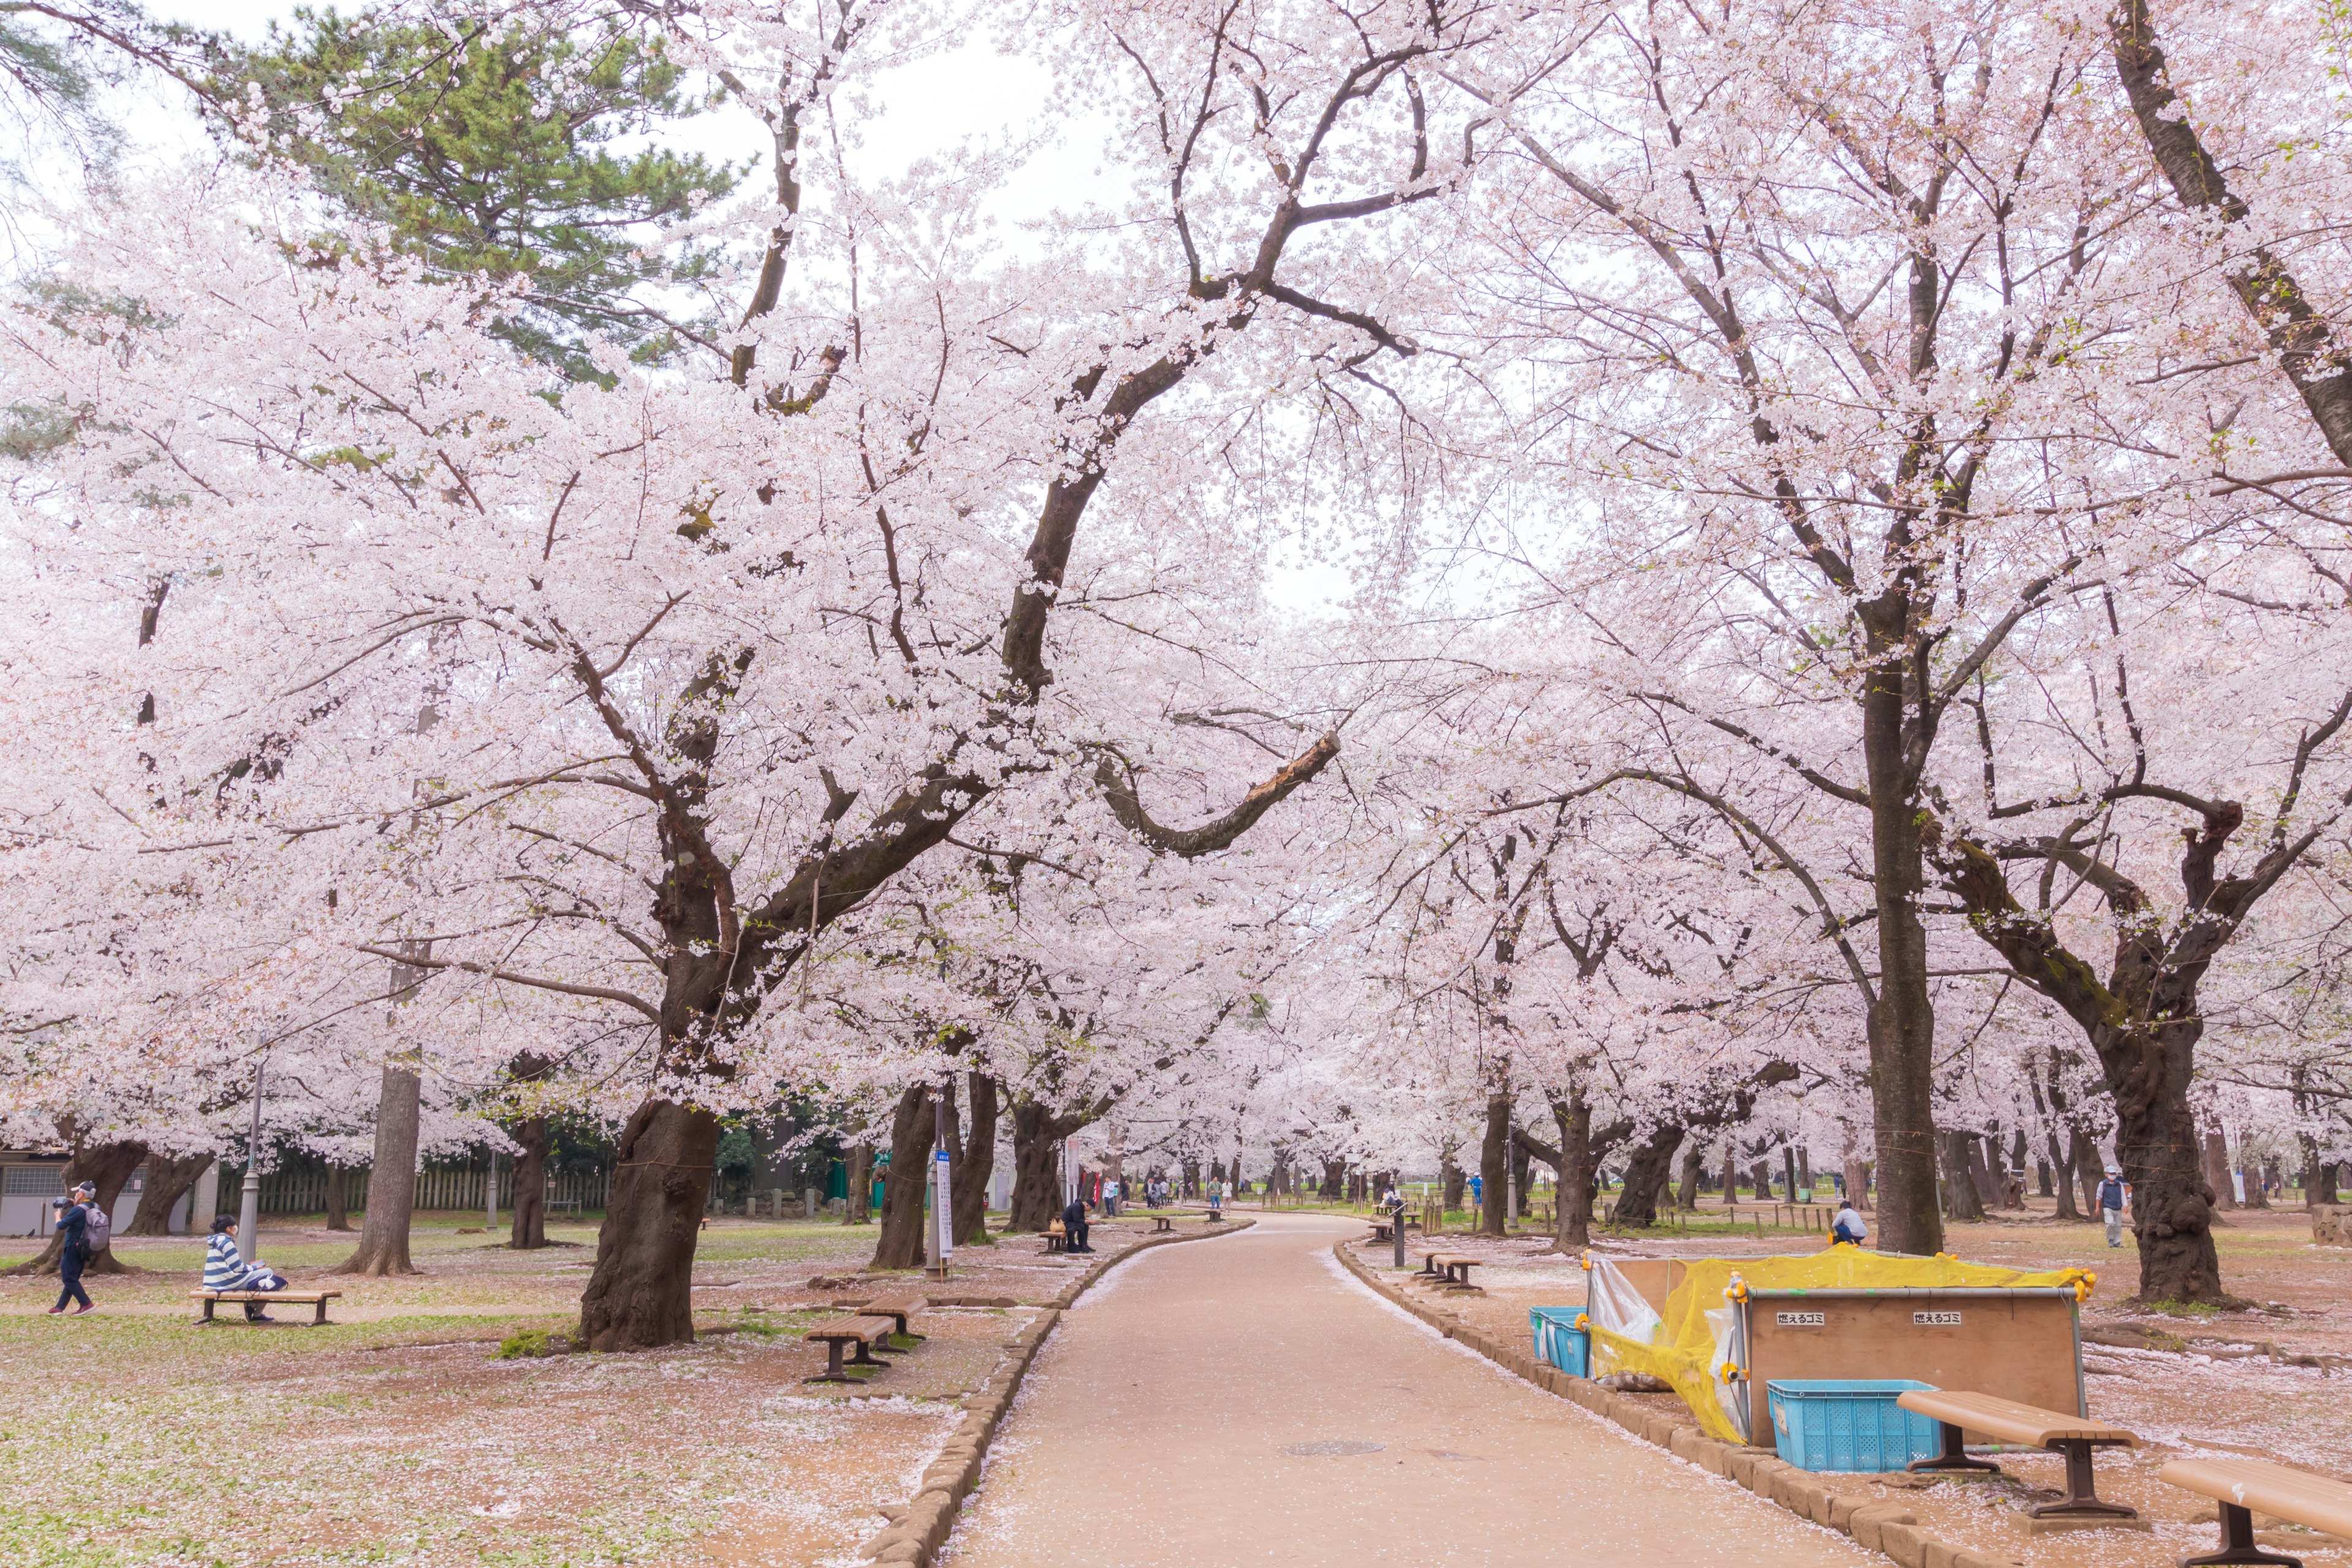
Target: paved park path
(1162,1424)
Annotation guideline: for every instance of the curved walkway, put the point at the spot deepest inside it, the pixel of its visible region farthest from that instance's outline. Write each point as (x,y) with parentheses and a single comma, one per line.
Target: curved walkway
(1241,1401)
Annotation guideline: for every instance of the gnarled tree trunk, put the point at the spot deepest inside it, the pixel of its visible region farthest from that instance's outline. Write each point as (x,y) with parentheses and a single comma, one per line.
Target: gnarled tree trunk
(977,1165)
(528,1231)
(168,1180)
(1036,1172)
(641,1292)
(900,1245)
(1646,1174)
(339,1200)
(1959,1182)
(1494,1164)
(391,1179)
(110,1165)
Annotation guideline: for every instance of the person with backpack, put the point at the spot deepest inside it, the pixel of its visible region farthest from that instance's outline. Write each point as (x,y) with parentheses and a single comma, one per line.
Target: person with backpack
(226,1269)
(2115,1193)
(84,1225)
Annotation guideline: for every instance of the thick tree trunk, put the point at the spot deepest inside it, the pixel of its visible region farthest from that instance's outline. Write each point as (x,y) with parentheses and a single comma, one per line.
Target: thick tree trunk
(1335,1172)
(1036,1174)
(1731,1175)
(392,1181)
(339,1197)
(978,1166)
(1857,1181)
(1980,1172)
(1519,1183)
(1456,1185)
(1494,1165)
(1901,1027)
(641,1294)
(1572,1222)
(1694,1165)
(2158,1145)
(900,1245)
(529,1230)
(2061,1184)
(2257,1196)
(2216,1170)
(1646,1174)
(111,1166)
(2088,1168)
(860,1161)
(167,1181)
(1959,1183)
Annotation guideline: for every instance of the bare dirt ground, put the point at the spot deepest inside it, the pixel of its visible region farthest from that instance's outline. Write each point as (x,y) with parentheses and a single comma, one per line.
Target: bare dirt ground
(396,1434)
(2189,1385)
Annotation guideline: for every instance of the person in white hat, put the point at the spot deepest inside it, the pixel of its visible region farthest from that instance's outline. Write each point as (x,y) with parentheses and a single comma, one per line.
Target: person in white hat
(2115,1194)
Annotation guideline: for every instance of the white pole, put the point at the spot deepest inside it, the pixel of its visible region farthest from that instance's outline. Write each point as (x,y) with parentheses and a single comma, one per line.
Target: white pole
(490,1196)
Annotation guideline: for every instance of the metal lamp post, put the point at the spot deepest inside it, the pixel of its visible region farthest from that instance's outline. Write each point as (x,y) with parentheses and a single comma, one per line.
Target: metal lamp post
(248,1213)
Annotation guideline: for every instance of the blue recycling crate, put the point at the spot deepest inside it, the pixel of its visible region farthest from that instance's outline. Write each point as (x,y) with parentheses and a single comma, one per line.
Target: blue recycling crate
(1848,1425)
(1559,1341)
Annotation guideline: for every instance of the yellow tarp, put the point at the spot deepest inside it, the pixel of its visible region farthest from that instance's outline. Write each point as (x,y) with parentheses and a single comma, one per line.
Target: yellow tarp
(1685,1350)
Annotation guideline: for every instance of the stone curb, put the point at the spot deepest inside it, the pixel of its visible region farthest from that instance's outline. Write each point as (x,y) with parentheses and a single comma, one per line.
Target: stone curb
(915,1536)
(1874,1522)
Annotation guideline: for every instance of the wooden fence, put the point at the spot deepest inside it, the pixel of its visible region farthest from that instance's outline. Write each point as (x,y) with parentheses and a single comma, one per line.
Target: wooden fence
(304,1190)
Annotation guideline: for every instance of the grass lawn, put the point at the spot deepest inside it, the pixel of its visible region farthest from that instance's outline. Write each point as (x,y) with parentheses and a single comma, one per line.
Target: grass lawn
(397,1434)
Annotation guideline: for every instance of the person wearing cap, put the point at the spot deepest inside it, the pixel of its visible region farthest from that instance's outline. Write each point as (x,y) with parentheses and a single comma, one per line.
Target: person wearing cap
(2115,1193)
(73,1221)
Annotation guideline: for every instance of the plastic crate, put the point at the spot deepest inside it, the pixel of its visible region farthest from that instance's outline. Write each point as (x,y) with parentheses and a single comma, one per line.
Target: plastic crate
(1848,1425)
(1559,1341)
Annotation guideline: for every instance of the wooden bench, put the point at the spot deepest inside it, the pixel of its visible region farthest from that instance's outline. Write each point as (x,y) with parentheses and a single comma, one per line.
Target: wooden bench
(1448,1267)
(898,1309)
(1384,1227)
(866,1334)
(2241,1485)
(1161,1222)
(2028,1426)
(315,1299)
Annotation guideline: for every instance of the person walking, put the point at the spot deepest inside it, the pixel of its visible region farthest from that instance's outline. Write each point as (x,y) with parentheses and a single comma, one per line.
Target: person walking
(73,1222)
(2115,1194)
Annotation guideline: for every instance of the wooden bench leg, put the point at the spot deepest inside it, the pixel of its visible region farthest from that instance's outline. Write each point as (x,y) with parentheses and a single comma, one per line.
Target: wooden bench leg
(1955,1456)
(2081,1498)
(208,1305)
(319,1318)
(2238,1543)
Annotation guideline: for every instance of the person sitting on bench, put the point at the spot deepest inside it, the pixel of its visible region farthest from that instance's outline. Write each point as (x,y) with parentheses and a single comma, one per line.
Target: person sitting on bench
(1074,1227)
(226,1269)
(1847,1227)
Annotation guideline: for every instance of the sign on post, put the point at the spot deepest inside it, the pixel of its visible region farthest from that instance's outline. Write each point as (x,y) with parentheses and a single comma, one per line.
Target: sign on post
(943,1206)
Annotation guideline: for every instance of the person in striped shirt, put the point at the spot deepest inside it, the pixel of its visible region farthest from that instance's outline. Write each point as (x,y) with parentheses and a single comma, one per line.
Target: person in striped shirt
(226,1269)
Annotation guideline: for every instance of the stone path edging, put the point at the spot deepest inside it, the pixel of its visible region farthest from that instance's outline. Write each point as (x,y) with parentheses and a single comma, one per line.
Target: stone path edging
(914,1536)
(1875,1524)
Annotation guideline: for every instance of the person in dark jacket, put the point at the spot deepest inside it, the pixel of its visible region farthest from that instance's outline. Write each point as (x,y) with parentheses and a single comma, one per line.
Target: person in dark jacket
(1073,1225)
(73,1220)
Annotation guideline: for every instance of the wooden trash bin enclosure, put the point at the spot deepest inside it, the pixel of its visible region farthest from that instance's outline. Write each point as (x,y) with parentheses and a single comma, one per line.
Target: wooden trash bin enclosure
(2017,1342)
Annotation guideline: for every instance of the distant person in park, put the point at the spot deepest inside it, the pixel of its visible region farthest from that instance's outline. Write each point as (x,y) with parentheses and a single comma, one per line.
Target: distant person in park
(1073,1225)
(1216,1197)
(2115,1193)
(226,1269)
(1847,1226)
(1477,1192)
(74,1223)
